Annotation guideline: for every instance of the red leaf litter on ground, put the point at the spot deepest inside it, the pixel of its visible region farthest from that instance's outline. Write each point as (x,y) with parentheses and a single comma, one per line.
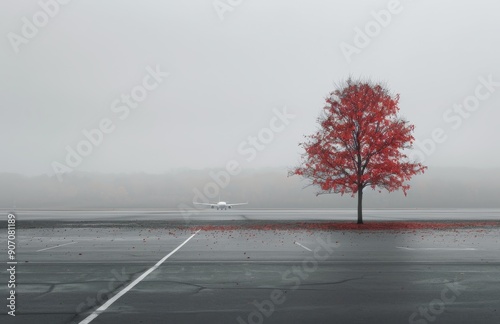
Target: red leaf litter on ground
(343,226)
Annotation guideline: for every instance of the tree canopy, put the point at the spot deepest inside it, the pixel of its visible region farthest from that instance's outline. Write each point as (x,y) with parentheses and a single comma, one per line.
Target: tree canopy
(361,142)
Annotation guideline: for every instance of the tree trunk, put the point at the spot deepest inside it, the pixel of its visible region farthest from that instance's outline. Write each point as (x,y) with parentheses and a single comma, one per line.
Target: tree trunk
(360,205)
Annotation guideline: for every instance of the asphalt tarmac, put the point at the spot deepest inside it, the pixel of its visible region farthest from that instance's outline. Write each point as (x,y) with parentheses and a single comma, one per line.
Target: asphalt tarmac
(189,215)
(122,271)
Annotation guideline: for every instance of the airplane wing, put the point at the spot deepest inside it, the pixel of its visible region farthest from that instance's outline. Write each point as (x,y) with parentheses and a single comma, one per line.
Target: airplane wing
(206,204)
(237,204)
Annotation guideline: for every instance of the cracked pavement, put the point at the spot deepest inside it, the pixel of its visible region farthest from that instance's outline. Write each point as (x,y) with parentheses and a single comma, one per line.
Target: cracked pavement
(233,276)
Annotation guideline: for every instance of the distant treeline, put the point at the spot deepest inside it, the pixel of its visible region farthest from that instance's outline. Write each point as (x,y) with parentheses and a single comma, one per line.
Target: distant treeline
(263,188)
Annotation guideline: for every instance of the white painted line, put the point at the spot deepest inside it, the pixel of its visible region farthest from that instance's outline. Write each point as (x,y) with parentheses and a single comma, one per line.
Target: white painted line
(305,247)
(103,307)
(436,249)
(56,246)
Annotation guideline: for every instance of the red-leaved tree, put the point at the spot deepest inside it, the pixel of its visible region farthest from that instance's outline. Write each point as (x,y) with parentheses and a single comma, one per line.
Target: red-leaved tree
(361,142)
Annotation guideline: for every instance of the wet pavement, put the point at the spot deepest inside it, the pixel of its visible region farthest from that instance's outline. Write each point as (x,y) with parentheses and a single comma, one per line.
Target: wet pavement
(67,273)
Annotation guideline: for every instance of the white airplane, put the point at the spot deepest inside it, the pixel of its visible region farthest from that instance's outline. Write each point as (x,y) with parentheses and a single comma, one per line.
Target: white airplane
(220,205)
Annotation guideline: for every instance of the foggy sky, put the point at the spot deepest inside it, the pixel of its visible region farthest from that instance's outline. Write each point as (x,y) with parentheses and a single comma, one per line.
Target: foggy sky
(262,188)
(225,77)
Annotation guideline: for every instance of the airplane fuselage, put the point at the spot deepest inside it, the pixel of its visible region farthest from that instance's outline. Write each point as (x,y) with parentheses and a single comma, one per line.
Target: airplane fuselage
(221,205)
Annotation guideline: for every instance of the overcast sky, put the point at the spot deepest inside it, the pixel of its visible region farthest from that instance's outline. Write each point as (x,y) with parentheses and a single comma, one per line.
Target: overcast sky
(234,72)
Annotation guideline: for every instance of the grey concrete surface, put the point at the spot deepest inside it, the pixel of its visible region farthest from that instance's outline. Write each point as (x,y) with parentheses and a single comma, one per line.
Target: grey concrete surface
(241,214)
(65,272)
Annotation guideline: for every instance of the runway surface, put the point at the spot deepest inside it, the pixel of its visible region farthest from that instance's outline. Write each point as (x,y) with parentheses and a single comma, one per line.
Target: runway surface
(211,215)
(105,267)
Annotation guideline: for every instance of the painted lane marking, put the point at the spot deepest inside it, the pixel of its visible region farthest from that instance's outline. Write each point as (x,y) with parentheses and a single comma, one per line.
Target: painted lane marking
(56,246)
(103,307)
(305,247)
